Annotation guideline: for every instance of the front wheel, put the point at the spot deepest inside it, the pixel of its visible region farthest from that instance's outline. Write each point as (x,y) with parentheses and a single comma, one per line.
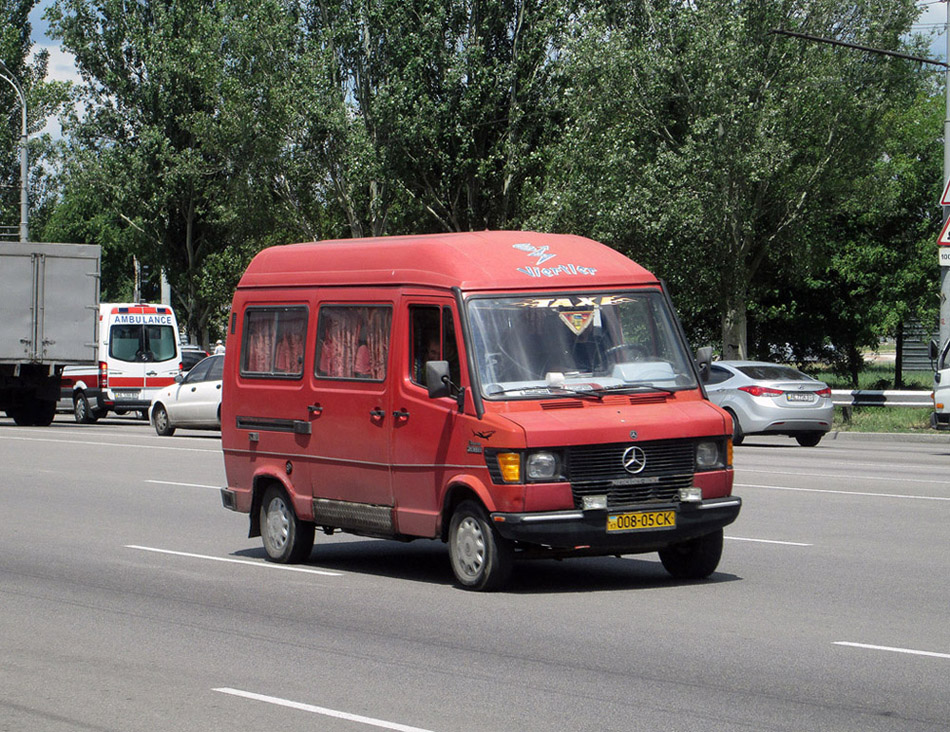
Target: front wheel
(287,539)
(161,422)
(693,559)
(82,409)
(481,559)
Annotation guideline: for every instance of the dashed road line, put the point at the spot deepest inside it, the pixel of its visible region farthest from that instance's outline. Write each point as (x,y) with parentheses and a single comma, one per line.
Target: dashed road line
(284,567)
(321,710)
(911,651)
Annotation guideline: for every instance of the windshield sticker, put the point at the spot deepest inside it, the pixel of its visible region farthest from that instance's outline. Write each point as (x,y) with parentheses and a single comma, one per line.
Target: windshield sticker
(574,302)
(543,255)
(577,321)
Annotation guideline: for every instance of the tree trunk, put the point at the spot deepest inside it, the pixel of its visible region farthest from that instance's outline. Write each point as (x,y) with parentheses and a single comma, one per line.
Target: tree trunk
(734,335)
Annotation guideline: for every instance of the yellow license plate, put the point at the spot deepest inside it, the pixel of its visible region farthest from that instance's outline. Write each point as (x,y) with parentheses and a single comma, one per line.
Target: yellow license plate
(641,520)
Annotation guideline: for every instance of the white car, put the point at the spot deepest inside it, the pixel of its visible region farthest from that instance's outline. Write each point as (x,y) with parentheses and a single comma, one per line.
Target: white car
(192,401)
(768,398)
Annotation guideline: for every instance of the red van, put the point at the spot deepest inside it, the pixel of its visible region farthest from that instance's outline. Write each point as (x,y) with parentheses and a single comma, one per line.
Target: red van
(514,394)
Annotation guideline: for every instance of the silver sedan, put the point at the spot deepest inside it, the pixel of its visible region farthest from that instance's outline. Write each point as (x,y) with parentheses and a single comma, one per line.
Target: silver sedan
(768,398)
(192,401)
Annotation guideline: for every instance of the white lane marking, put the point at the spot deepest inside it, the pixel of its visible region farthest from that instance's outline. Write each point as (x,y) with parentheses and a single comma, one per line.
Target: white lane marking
(184,485)
(110,445)
(903,478)
(911,651)
(320,710)
(768,541)
(843,493)
(284,567)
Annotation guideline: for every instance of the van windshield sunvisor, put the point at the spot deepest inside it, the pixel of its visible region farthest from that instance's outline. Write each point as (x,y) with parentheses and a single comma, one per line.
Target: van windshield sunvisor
(577,345)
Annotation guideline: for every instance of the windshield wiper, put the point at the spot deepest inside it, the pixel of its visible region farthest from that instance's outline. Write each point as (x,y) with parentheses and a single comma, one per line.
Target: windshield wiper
(631,388)
(553,390)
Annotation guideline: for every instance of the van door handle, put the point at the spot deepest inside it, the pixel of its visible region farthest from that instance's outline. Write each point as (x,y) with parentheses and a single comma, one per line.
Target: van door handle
(377,413)
(151,373)
(401,414)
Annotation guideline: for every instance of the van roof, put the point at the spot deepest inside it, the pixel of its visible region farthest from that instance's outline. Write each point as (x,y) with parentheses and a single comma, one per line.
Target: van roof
(483,260)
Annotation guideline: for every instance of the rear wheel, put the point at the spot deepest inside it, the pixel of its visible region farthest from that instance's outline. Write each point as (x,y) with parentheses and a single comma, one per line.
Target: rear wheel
(481,559)
(43,412)
(286,538)
(160,421)
(809,439)
(693,559)
(737,434)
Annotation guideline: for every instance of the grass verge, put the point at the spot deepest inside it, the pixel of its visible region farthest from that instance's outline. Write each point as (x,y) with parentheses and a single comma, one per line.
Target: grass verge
(882,419)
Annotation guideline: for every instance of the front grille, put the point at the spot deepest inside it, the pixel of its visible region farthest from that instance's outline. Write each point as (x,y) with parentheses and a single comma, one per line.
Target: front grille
(598,470)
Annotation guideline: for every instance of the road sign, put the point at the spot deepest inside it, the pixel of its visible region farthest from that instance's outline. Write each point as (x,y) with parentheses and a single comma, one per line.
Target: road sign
(945,198)
(944,256)
(944,238)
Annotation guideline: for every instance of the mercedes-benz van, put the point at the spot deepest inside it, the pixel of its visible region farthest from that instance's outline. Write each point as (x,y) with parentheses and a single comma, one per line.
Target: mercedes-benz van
(513,394)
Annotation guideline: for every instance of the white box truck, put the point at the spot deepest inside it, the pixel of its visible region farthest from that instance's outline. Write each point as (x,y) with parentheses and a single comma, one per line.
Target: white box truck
(49,313)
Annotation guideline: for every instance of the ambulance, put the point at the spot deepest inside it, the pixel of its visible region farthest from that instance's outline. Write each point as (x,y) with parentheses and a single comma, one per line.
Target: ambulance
(940,417)
(138,354)
(515,395)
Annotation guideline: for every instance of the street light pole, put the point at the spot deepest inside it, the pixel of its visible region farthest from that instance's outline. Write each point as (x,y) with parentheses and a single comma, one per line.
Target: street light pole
(24,161)
(944,321)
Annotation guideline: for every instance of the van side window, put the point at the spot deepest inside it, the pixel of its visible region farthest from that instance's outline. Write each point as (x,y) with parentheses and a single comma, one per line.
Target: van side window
(432,338)
(274,342)
(353,342)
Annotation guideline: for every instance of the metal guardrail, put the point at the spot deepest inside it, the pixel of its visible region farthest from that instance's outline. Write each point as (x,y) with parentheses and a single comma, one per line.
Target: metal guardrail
(871,398)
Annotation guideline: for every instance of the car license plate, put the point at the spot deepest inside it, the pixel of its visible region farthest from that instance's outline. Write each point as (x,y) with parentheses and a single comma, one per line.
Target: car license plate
(129,395)
(641,520)
(799,396)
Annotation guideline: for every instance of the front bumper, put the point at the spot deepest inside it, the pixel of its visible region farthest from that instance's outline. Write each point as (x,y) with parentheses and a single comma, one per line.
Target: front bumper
(586,531)
(940,420)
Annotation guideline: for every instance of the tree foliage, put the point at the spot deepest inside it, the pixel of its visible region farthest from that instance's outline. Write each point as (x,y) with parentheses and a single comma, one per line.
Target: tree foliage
(736,163)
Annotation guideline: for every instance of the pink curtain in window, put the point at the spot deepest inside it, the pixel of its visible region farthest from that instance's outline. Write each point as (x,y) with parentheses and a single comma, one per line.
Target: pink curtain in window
(260,342)
(355,343)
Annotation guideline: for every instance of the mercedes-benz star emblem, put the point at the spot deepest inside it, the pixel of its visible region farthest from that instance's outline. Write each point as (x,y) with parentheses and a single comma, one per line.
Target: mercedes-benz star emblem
(634,459)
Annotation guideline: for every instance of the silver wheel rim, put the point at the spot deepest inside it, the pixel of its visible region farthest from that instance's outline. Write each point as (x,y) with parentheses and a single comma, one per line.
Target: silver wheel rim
(81,409)
(161,420)
(470,547)
(278,525)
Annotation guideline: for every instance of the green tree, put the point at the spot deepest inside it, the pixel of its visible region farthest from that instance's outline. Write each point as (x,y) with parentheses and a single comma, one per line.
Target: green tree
(145,150)
(705,146)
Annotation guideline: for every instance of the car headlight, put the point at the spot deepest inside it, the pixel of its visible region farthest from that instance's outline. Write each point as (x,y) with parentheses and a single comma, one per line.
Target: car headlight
(709,455)
(542,466)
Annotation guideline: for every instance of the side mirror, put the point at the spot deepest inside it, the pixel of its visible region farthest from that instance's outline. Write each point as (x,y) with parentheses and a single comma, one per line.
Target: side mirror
(933,352)
(179,378)
(437,379)
(703,359)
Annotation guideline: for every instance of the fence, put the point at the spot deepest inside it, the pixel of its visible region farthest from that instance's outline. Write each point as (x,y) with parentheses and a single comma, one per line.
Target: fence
(871,398)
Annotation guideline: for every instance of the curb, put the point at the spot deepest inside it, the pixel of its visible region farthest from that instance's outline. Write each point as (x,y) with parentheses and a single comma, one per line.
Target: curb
(847,436)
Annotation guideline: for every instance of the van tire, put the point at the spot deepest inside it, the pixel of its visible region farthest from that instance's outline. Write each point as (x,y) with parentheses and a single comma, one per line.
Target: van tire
(161,423)
(694,559)
(287,539)
(481,559)
(82,410)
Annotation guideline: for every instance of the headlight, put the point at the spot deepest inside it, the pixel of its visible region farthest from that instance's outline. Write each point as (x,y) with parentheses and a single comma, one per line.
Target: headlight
(542,466)
(709,455)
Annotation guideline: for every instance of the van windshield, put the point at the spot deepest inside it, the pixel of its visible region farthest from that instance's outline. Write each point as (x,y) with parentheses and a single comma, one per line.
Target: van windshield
(140,342)
(577,345)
